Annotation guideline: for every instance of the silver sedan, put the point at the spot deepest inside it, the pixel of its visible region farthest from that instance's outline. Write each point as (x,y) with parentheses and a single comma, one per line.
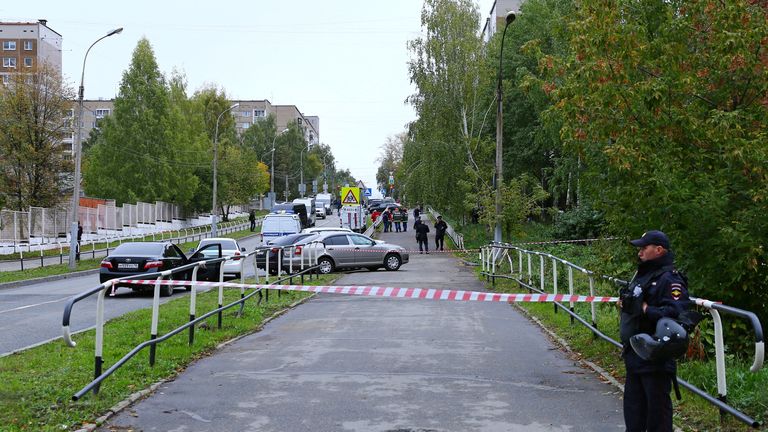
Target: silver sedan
(346,250)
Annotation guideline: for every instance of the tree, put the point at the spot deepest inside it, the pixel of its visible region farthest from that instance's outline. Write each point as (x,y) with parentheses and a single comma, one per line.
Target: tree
(444,68)
(32,124)
(390,158)
(138,156)
(665,102)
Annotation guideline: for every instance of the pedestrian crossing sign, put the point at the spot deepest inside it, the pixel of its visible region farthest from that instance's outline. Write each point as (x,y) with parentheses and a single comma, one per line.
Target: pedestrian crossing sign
(350,196)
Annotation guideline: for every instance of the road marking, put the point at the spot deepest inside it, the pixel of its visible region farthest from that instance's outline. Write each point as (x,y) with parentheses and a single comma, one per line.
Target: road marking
(34,305)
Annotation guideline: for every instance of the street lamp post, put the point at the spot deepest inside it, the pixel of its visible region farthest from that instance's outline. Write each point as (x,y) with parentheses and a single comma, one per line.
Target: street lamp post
(215,160)
(73,244)
(499,134)
(272,168)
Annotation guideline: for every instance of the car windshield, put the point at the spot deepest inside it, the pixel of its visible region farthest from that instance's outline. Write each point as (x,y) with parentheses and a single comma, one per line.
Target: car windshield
(143,249)
(225,244)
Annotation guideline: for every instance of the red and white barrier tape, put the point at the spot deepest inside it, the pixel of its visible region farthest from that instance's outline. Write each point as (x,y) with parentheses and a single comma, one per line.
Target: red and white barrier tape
(413,293)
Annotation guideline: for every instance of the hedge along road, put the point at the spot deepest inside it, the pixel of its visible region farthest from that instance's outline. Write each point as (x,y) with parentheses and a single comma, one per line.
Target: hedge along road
(351,363)
(31,314)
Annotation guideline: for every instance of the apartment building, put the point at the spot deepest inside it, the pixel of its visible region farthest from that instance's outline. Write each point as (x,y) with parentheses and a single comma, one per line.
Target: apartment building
(26,45)
(246,115)
(93,111)
(251,111)
(497,15)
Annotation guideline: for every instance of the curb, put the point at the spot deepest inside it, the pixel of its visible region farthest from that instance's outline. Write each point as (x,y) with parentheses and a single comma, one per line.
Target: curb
(53,278)
(47,278)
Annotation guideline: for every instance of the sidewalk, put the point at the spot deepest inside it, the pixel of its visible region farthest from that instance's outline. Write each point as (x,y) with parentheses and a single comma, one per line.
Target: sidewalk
(346,363)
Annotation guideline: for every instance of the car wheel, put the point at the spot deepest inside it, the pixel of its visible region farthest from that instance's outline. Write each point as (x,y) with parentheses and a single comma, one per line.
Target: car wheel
(326,265)
(392,262)
(166,290)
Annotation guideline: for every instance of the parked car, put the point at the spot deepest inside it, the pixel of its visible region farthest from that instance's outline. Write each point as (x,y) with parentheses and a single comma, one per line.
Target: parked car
(278,225)
(229,248)
(326,199)
(310,205)
(288,240)
(293,208)
(345,250)
(320,210)
(133,258)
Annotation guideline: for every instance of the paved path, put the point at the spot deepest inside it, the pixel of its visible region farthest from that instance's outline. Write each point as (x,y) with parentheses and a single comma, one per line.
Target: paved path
(343,363)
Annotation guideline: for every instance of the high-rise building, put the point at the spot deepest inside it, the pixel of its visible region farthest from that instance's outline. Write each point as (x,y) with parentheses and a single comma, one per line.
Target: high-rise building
(497,16)
(27,45)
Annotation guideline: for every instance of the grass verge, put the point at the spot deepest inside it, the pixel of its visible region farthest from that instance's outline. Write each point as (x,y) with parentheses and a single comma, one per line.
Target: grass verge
(38,383)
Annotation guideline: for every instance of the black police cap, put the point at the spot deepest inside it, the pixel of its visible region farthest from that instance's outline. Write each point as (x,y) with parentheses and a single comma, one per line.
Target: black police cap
(657,238)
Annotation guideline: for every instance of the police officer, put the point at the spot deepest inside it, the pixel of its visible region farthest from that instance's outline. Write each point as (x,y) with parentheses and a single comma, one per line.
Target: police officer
(656,291)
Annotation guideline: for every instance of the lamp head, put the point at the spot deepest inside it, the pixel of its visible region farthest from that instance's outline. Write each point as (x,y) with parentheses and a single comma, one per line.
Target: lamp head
(511,15)
(235,106)
(115,31)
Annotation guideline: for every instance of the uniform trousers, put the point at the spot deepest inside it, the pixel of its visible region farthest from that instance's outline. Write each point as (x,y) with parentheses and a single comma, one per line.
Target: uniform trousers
(647,403)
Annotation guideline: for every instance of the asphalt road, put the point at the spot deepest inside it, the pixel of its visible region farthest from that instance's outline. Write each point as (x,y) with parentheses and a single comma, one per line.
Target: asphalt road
(344,363)
(32,314)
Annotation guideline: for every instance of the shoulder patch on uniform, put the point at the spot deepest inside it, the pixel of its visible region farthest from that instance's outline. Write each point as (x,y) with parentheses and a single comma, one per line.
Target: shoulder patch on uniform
(676,290)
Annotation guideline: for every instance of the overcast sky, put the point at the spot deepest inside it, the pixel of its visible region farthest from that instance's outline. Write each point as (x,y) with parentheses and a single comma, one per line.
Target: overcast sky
(342,60)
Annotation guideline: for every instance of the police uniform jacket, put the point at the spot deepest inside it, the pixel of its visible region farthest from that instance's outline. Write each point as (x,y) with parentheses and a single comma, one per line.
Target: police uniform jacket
(664,289)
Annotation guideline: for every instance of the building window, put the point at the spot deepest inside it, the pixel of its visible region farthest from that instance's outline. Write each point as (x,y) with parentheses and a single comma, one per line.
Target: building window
(27,45)
(28,61)
(258,113)
(100,113)
(69,113)
(298,120)
(246,125)
(9,62)
(9,45)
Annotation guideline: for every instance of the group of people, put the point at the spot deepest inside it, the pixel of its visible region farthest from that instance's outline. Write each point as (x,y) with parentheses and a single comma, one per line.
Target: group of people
(394,219)
(422,229)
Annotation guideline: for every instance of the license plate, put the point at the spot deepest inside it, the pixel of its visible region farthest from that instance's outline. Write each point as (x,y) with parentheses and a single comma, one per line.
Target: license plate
(127,265)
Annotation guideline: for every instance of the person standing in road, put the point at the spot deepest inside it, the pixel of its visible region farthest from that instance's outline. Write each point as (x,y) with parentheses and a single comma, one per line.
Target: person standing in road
(252,219)
(656,291)
(416,213)
(386,216)
(404,218)
(421,235)
(397,218)
(440,228)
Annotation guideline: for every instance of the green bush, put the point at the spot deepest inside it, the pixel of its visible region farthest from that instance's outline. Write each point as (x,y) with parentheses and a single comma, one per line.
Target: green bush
(579,223)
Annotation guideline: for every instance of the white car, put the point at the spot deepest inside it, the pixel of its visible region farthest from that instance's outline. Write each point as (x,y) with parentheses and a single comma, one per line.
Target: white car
(229,248)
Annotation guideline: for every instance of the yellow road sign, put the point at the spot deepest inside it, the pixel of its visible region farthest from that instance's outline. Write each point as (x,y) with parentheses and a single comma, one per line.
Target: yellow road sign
(350,196)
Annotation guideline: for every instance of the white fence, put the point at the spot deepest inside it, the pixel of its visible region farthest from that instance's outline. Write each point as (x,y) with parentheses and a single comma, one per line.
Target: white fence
(42,226)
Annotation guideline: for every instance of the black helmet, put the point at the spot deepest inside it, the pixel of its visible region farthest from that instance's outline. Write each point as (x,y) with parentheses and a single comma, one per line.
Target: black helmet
(670,341)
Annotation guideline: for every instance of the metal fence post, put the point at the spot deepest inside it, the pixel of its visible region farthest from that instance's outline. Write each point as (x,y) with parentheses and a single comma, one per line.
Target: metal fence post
(155,319)
(554,281)
(221,291)
(193,304)
(570,289)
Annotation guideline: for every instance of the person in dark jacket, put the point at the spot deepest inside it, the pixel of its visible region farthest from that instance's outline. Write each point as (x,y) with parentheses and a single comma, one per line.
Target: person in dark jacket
(421,235)
(440,228)
(404,218)
(656,291)
(252,219)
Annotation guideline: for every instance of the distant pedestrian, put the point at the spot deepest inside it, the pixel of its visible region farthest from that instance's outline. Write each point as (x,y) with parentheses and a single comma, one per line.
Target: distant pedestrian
(404,218)
(79,239)
(397,218)
(421,235)
(387,215)
(416,213)
(440,228)
(252,219)
(375,216)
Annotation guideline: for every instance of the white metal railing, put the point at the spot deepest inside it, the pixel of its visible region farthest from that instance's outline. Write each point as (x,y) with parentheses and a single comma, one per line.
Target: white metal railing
(496,258)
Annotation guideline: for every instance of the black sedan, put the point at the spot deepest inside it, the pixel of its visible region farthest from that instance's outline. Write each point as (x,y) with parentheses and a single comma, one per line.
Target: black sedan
(134,258)
(284,241)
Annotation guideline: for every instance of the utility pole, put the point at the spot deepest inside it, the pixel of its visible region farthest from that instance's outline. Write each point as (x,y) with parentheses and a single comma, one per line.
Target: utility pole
(286,187)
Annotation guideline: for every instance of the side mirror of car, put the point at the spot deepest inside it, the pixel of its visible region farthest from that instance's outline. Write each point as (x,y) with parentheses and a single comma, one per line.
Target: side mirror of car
(191,251)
